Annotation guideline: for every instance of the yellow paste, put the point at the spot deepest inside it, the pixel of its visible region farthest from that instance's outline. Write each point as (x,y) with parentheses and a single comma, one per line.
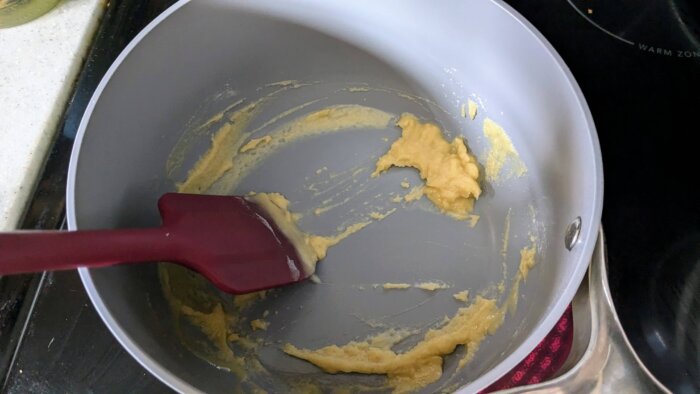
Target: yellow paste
(243,301)
(473,220)
(472,109)
(225,163)
(314,278)
(277,207)
(421,364)
(323,121)
(218,159)
(450,172)
(414,194)
(214,325)
(344,178)
(310,248)
(501,152)
(431,286)
(259,324)
(390,286)
(193,305)
(254,143)
(428,286)
(451,182)
(527,261)
(504,252)
(184,143)
(218,171)
(462,296)
(320,211)
(380,216)
(321,244)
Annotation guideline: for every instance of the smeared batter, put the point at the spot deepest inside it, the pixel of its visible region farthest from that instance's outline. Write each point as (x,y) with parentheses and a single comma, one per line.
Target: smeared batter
(393,286)
(414,194)
(428,286)
(259,324)
(244,301)
(449,171)
(218,159)
(527,261)
(451,177)
(310,248)
(227,162)
(321,244)
(462,296)
(194,305)
(432,286)
(220,168)
(255,142)
(323,121)
(215,326)
(420,365)
(380,216)
(277,207)
(473,107)
(314,278)
(501,152)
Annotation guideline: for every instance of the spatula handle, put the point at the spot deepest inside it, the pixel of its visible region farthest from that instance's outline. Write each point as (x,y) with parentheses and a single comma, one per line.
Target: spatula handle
(35,251)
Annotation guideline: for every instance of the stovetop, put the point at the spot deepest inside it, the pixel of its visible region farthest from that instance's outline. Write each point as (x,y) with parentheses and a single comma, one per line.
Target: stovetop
(638,64)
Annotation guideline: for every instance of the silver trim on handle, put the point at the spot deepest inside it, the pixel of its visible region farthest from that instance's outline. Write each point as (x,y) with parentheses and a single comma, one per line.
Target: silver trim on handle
(609,364)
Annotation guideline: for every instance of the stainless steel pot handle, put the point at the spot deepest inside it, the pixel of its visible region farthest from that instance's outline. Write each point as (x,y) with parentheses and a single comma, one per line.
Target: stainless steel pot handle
(609,364)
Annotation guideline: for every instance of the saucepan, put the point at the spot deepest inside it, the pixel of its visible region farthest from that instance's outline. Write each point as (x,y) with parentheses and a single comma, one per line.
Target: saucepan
(223,73)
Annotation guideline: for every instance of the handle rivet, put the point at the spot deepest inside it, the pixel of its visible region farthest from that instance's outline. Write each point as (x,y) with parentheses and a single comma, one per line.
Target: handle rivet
(572,233)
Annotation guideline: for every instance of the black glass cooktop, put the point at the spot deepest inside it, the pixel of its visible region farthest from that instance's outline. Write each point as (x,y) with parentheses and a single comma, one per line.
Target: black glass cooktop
(638,64)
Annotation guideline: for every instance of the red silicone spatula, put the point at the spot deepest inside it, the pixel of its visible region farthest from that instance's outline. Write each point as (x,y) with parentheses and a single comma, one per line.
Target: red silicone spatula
(227,239)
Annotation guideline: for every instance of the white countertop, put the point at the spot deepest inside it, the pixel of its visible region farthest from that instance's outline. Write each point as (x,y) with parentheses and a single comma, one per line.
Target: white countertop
(39,62)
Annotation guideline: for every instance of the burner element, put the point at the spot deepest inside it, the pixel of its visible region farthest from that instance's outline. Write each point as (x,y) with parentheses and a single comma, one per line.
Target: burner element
(543,362)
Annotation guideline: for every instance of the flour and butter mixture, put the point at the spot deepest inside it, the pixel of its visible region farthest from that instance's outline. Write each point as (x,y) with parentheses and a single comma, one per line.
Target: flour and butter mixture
(449,176)
(450,173)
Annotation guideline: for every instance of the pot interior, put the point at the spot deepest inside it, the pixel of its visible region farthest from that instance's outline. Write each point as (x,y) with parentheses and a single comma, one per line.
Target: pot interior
(205,56)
